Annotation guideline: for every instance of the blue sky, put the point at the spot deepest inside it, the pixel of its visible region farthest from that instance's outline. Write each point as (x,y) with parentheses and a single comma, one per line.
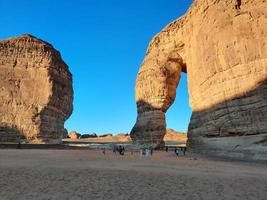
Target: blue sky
(104,43)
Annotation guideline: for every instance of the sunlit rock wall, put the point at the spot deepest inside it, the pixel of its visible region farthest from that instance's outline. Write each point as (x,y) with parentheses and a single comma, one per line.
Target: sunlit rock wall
(222,45)
(36,91)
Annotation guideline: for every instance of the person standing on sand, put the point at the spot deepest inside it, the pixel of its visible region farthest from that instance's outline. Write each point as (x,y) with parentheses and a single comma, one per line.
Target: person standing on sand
(122,150)
(184,150)
(19,145)
(167,149)
(115,149)
(151,151)
(176,151)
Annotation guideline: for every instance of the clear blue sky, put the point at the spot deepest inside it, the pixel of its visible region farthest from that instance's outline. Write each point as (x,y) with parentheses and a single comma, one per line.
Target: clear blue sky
(103,42)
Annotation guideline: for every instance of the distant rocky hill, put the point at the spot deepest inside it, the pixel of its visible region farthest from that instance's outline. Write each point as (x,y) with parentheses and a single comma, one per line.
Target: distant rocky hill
(174,136)
(171,136)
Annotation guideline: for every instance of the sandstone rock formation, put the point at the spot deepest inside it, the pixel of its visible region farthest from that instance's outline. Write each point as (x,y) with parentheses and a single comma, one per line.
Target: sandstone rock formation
(222,45)
(74,135)
(171,137)
(36,91)
(175,137)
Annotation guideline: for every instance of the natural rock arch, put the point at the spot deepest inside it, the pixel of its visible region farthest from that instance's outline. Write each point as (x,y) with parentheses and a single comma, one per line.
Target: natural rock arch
(157,82)
(225,52)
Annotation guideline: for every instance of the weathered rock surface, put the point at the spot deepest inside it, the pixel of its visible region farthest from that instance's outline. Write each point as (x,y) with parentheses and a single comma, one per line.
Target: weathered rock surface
(74,135)
(222,45)
(171,137)
(174,136)
(36,91)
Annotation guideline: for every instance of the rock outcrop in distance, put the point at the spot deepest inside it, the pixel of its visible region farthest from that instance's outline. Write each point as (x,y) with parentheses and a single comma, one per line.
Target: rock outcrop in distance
(74,135)
(171,136)
(36,91)
(222,46)
(174,136)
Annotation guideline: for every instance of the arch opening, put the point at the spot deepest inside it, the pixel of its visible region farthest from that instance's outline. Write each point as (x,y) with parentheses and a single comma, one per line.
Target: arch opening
(179,114)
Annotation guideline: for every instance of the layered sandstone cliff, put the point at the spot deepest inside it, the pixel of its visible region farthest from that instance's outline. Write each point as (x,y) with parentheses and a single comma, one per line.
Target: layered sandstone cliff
(36,91)
(222,45)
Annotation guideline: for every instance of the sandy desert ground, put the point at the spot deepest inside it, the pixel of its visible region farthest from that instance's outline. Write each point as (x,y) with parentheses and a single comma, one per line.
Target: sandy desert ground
(88,174)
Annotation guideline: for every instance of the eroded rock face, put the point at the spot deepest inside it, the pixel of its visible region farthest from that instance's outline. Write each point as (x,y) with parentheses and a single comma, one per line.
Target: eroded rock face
(36,91)
(74,135)
(222,45)
(155,92)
